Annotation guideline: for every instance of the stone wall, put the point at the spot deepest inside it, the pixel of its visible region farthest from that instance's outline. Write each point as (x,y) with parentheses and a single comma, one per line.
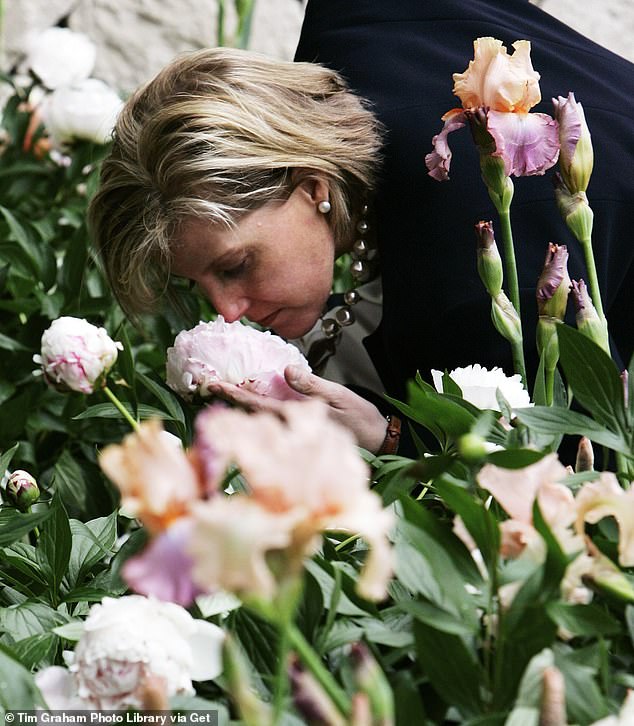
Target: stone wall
(137,37)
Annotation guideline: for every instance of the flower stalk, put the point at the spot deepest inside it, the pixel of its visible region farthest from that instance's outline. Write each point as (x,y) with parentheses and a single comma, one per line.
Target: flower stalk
(121,408)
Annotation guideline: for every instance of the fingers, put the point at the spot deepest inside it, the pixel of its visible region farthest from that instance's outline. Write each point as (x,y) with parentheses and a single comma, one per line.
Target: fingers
(244,398)
(311,385)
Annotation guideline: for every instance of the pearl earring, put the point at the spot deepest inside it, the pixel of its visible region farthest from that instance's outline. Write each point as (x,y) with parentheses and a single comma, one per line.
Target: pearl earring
(324,206)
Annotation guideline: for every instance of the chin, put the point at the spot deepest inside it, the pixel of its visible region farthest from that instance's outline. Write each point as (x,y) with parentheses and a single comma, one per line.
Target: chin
(294,328)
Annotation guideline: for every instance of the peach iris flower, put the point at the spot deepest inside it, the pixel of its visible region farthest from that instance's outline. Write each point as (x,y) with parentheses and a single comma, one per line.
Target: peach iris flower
(497,92)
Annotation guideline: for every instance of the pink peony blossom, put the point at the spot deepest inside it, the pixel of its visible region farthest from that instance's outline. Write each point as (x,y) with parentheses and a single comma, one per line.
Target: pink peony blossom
(76,355)
(497,92)
(231,352)
(126,642)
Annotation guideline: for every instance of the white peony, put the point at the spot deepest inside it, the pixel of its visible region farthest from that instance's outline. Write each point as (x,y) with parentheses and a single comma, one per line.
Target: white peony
(127,641)
(60,56)
(234,353)
(479,385)
(76,355)
(87,110)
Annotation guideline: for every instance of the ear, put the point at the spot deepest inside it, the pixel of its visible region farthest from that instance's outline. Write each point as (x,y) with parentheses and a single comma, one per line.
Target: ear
(311,183)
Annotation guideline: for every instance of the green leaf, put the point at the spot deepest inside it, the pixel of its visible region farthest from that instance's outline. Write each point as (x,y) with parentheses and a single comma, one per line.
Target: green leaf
(29,618)
(23,557)
(69,481)
(17,687)
(5,459)
(436,617)
(594,378)
(91,542)
(451,668)
(37,651)
(557,421)
(54,545)
(7,343)
(480,523)
(109,410)
(585,620)
(166,397)
(584,701)
(515,458)
(14,525)
(528,704)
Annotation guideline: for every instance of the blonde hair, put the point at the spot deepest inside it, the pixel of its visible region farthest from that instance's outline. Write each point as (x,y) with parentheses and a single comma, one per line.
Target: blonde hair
(214,135)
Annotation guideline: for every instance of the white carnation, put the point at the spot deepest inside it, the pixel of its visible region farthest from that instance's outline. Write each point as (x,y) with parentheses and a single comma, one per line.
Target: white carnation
(479,386)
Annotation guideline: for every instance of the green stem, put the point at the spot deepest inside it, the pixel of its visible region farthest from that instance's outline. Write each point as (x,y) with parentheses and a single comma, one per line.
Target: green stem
(319,671)
(122,409)
(593,280)
(281,676)
(549,384)
(513,286)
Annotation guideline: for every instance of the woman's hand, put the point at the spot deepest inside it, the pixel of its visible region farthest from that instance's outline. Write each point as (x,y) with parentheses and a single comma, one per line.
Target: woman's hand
(352,411)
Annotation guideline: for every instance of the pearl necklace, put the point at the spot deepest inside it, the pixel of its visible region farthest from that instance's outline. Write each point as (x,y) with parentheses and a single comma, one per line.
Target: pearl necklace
(362,268)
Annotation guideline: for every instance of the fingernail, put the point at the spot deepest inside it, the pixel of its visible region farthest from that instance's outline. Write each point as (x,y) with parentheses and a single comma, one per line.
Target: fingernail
(295,375)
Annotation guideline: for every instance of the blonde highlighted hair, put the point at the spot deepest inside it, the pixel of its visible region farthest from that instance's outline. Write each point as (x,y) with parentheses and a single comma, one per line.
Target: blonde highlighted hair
(214,135)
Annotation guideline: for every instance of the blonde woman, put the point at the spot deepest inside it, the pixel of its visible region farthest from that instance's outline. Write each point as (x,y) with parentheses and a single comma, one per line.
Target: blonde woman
(250,176)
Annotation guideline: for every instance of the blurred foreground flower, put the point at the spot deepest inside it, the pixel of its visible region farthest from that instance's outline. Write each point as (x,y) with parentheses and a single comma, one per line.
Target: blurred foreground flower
(479,386)
(76,355)
(60,56)
(231,352)
(127,642)
(87,110)
(304,476)
(497,92)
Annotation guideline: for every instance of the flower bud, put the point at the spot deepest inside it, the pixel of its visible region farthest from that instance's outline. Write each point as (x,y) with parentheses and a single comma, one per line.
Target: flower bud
(372,682)
(574,209)
(472,447)
(22,490)
(553,285)
(310,699)
(505,318)
(76,355)
(588,321)
(553,705)
(576,156)
(585,455)
(488,259)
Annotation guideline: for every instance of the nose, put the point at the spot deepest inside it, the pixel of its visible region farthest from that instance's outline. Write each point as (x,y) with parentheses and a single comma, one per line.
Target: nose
(232,305)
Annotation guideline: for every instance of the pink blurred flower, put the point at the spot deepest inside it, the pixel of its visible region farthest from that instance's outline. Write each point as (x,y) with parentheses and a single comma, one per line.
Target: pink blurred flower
(164,568)
(605,498)
(517,489)
(76,355)
(125,642)
(497,92)
(231,352)
(155,476)
(307,468)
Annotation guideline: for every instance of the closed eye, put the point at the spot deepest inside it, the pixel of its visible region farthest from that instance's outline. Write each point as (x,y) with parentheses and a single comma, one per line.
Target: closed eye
(234,271)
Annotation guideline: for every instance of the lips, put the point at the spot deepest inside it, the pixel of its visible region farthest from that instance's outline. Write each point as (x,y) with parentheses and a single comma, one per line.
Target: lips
(268,320)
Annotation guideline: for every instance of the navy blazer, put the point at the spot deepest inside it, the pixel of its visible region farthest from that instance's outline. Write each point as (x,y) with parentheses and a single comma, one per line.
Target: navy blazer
(400,54)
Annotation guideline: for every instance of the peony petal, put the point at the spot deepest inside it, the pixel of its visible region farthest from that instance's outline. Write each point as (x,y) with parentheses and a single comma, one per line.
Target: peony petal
(439,160)
(206,646)
(528,143)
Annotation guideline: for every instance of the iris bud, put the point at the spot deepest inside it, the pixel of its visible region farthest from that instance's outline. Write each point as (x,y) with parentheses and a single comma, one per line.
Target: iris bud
(488,259)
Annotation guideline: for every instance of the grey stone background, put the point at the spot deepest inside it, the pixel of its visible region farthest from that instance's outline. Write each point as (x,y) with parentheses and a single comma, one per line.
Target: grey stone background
(137,37)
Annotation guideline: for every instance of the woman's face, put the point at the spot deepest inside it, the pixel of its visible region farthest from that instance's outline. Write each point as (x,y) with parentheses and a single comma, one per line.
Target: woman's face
(274,268)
